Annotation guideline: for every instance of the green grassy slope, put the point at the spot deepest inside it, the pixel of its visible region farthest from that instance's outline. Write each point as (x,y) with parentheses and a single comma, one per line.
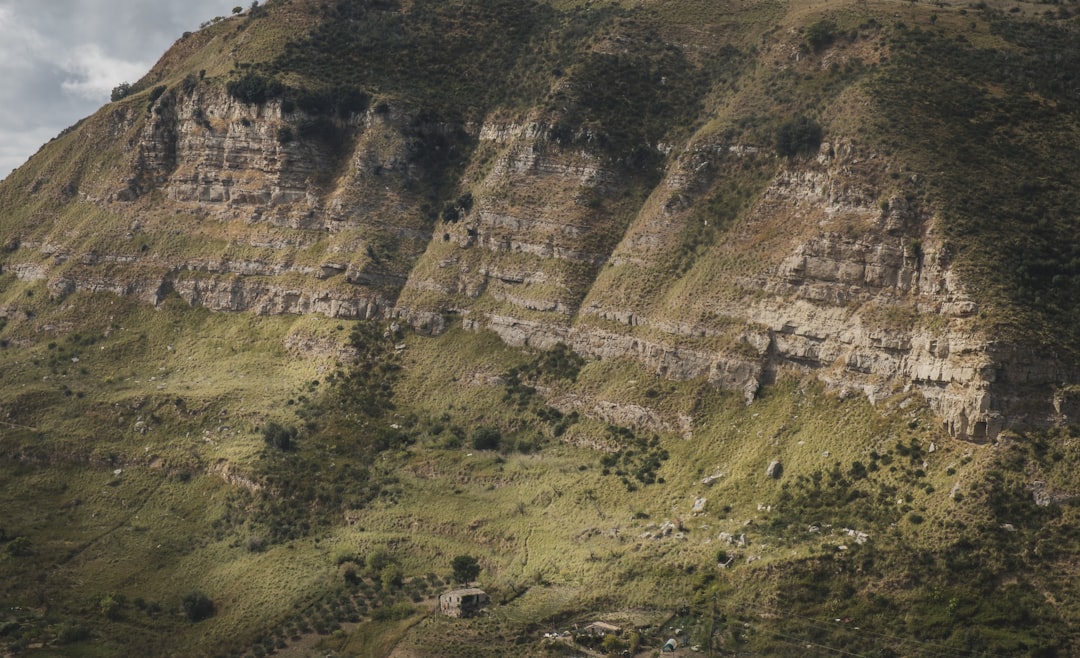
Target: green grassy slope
(137,470)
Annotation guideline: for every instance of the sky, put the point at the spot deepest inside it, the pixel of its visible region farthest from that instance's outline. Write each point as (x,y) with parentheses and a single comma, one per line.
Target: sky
(60,59)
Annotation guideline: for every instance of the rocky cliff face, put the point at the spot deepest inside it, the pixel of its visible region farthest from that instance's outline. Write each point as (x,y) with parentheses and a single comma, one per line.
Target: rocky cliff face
(730,264)
(856,290)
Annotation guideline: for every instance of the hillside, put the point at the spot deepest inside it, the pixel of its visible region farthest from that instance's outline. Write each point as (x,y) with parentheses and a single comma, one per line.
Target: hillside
(751,319)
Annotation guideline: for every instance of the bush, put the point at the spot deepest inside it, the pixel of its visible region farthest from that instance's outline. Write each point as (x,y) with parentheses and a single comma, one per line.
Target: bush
(820,34)
(155,94)
(110,605)
(391,577)
(349,573)
(800,136)
(611,644)
(341,100)
(377,560)
(254,89)
(486,438)
(197,606)
(71,632)
(317,128)
(400,610)
(279,436)
(19,547)
(450,214)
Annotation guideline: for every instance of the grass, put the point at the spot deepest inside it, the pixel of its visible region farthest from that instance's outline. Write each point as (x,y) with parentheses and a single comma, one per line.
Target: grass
(547,521)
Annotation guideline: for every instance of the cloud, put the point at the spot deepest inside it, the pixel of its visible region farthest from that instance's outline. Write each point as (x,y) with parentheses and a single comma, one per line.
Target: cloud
(96,73)
(60,59)
(20,47)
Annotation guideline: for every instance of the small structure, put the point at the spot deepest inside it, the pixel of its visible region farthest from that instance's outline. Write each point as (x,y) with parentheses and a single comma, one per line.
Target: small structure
(602,628)
(670,646)
(462,602)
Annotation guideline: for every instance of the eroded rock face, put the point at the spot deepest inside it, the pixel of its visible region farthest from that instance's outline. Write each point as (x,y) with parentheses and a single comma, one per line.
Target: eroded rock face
(823,272)
(860,292)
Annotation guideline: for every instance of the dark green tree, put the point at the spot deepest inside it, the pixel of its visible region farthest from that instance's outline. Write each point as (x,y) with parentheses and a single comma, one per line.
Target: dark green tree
(197,606)
(486,438)
(820,34)
(466,568)
(278,436)
(120,91)
(800,136)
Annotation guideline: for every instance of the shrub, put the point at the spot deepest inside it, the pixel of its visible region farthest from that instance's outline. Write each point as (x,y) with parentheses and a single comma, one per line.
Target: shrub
(391,577)
(486,438)
(279,436)
(155,94)
(189,83)
(450,214)
(71,632)
(349,573)
(820,34)
(400,610)
(377,560)
(254,89)
(110,605)
(317,128)
(18,547)
(800,136)
(611,644)
(197,606)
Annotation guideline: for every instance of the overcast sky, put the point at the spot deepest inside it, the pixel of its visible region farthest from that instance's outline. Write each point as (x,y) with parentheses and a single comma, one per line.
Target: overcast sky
(60,59)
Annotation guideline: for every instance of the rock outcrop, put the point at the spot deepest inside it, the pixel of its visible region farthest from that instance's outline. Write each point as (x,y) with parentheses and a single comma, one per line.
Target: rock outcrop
(724,262)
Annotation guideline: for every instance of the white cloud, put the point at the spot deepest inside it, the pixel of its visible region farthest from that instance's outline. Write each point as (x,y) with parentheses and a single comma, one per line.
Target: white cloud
(59,59)
(96,73)
(20,46)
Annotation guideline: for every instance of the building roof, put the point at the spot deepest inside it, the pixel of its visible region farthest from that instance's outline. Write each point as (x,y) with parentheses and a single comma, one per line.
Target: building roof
(468,591)
(603,626)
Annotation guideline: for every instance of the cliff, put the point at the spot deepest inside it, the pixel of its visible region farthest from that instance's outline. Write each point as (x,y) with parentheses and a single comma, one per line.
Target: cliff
(632,200)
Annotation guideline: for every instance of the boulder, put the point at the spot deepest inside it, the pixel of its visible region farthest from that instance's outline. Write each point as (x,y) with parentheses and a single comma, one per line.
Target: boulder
(775,469)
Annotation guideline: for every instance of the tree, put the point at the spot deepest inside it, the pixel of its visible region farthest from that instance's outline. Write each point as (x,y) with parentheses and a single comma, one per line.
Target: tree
(466,568)
(238,9)
(254,89)
(278,436)
(197,606)
(377,560)
(391,576)
(820,34)
(120,91)
(800,136)
(612,644)
(486,438)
